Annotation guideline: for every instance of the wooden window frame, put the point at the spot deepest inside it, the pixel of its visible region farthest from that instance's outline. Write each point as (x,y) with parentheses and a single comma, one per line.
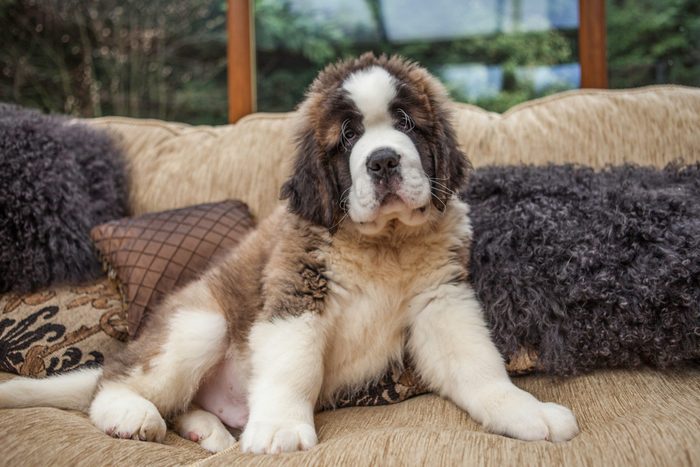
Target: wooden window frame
(241,53)
(592,45)
(240,56)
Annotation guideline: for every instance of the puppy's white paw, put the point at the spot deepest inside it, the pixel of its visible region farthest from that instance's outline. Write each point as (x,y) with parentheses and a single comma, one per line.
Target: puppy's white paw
(277,436)
(560,420)
(204,428)
(121,413)
(518,414)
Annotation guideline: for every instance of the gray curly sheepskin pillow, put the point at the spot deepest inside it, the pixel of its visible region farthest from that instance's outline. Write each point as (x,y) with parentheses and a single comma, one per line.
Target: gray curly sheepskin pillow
(589,269)
(57,180)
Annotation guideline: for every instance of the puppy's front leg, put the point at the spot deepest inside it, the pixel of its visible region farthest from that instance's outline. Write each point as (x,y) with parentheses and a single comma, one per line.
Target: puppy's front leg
(287,372)
(453,352)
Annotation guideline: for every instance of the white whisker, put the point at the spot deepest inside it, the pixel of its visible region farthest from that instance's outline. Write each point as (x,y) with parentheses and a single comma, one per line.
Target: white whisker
(442,185)
(344,199)
(443,191)
(444,206)
(338,223)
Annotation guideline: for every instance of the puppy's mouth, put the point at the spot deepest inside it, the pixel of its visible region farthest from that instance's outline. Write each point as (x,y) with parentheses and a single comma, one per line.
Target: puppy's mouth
(393,203)
(390,200)
(392,206)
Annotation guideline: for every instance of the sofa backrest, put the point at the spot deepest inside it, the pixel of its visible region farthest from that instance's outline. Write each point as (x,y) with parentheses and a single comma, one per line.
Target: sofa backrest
(173,165)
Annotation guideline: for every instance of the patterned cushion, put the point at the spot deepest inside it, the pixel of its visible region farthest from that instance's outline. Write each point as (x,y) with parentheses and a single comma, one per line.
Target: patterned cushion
(401,383)
(60,329)
(152,254)
(397,384)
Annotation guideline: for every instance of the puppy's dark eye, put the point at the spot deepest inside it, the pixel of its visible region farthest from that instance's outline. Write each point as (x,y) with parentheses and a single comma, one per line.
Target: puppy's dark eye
(404,121)
(347,134)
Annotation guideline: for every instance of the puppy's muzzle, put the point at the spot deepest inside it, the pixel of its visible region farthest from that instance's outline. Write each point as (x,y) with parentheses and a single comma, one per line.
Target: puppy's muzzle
(383,164)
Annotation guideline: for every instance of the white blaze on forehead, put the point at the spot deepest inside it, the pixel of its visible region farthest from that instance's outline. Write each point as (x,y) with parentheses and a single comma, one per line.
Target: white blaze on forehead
(372,90)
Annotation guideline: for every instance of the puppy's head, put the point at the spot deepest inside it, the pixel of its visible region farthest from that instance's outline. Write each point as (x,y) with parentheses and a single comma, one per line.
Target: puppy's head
(375,145)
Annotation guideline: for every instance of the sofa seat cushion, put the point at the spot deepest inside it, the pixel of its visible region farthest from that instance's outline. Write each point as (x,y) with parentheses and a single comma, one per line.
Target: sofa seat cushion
(640,417)
(626,418)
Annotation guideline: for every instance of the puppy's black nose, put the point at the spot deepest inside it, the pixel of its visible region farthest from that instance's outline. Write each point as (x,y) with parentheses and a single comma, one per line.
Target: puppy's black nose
(383,162)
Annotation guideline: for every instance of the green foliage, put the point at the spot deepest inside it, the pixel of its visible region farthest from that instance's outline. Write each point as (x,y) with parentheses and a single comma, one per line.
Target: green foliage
(652,41)
(162,59)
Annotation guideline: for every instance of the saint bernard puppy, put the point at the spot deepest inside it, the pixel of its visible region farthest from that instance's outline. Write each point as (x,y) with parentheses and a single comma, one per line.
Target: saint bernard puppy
(366,261)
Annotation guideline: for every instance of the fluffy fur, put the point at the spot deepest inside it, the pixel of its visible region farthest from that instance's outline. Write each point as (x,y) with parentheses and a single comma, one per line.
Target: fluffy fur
(58,180)
(591,269)
(366,259)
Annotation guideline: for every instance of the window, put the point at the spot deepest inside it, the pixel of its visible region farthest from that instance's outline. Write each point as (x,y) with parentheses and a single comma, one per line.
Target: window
(158,58)
(653,42)
(168,59)
(493,53)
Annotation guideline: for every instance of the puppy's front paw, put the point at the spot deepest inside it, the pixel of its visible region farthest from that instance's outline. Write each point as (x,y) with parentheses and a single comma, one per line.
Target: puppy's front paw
(560,420)
(539,421)
(518,414)
(277,436)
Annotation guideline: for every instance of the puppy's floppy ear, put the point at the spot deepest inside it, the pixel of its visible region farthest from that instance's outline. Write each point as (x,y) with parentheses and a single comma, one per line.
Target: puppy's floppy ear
(311,190)
(450,163)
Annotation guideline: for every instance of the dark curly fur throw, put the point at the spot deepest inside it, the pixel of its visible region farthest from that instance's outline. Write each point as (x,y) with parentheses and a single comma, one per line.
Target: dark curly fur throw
(589,269)
(57,180)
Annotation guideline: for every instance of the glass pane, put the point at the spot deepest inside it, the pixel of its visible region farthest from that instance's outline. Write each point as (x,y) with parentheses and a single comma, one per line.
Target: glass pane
(494,53)
(159,58)
(653,42)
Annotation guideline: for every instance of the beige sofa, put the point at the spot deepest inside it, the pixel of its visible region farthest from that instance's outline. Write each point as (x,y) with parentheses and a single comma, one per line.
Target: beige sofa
(627,417)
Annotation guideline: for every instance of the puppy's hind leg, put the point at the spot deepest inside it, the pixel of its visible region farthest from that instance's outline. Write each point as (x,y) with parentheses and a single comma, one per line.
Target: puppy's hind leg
(122,413)
(196,340)
(131,403)
(204,428)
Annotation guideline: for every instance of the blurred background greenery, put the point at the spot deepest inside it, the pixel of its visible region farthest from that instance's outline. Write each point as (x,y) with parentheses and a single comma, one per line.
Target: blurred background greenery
(167,58)
(142,58)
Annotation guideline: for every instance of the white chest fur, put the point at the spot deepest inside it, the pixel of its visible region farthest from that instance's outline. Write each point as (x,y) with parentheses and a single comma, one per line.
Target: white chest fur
(374,294)
(367,330)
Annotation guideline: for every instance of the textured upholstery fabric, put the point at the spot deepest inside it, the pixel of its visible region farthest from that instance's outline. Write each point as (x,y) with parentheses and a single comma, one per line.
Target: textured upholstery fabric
(152,254)
(636,418)
(654,125)
(640,418)
(172,165)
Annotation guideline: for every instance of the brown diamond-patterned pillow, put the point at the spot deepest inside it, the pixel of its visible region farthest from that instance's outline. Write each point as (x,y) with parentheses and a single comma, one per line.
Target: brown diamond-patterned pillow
(152,254)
